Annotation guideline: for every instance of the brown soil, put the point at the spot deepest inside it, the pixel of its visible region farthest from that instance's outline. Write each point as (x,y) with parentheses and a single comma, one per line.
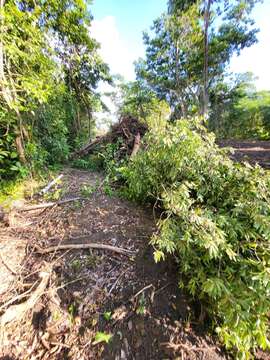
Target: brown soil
(252,151)
(133,299)
(156,324)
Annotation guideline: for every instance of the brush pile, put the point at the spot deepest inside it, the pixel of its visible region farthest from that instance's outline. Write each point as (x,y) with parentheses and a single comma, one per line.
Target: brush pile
(128,131)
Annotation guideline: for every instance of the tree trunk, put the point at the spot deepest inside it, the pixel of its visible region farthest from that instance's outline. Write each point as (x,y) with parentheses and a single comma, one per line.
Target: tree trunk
(20,148)
(206,58)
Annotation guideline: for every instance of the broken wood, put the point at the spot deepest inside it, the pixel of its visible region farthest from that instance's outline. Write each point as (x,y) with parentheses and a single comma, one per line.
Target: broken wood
(16,312)
(128,131)
(136,147)
(50,204)
(86,246)
(51,184)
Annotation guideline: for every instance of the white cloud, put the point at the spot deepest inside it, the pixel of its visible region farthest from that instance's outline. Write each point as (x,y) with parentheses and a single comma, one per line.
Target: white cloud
(256,58)
(113,50)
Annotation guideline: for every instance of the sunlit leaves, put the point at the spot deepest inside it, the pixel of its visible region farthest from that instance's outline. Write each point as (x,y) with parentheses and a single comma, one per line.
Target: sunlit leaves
(215,221)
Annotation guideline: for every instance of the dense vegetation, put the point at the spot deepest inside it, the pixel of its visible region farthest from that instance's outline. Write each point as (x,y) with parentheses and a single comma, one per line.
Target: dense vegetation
(49,71)
(216,212)
(216,223)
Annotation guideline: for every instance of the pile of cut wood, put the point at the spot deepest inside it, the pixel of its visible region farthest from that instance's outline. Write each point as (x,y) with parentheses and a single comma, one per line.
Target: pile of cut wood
(128,132)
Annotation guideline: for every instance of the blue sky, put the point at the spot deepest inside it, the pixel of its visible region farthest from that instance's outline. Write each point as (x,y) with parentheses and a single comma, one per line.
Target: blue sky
(118,26)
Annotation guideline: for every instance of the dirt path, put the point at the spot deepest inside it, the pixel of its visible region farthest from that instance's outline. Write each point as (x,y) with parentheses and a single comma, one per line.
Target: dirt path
(95,293)
(253,151)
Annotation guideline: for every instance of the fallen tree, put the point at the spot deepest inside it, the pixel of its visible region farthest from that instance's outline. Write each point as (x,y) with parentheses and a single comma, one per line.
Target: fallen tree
(216,223)
(128,130)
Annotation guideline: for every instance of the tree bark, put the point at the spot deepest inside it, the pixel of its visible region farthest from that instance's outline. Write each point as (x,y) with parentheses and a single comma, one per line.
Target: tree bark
(206,58)
(20,148)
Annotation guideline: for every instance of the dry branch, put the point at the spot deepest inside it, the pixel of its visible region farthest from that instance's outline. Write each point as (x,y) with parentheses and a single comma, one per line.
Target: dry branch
(50,204)
(129,130)
(16,312)
(51,184)
(86,246)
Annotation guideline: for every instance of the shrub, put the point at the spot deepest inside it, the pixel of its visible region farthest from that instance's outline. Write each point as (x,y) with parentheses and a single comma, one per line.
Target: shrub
(216,224)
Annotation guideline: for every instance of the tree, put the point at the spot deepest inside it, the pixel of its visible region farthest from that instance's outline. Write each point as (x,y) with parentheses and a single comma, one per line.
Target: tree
(239,111)
(44,44)
(191,48)
(170,68)
(25,69)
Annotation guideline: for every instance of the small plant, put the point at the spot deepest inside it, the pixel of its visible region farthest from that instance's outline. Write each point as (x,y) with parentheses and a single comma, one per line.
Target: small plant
(142,306)
(76,265)
(107,315)
(102,337)
(72,310)
(91,260)
(108,190)
(87,190)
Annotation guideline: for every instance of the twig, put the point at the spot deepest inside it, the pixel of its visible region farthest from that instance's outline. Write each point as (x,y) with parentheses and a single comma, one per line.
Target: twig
(187,348)
(142,290)
(163,288)
(50,204)
(86,246)
(18,297)
(117,280)
(16,312)
(7,266)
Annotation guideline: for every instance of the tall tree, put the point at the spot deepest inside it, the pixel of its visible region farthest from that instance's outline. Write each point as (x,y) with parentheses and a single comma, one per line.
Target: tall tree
(191,48)
(207,5)
(40,41)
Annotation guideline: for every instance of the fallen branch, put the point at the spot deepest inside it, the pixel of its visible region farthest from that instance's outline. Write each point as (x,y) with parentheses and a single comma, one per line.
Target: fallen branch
(86,246)
(142,290)
(18,297)
(16,312)
(50,204)
(187,348)
(117,280)
(51,184)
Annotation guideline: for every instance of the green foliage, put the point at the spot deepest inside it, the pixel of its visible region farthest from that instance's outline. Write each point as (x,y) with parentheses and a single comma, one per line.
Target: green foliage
(137,100)
(175,50)
(102,337)
(107,315)
(216,225)
(247,117)
(111,160)
(52,123)
(49,73)
(87,190)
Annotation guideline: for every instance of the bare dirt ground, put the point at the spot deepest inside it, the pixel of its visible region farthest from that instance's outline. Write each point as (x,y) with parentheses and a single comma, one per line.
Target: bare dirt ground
(89,294)
(252,151)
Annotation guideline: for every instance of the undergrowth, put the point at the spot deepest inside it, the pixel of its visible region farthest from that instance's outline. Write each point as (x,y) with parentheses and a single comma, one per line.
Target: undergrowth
(217,225)
(25,187)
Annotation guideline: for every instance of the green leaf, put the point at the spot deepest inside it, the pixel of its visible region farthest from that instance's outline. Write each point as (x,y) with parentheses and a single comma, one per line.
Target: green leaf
(102,337)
